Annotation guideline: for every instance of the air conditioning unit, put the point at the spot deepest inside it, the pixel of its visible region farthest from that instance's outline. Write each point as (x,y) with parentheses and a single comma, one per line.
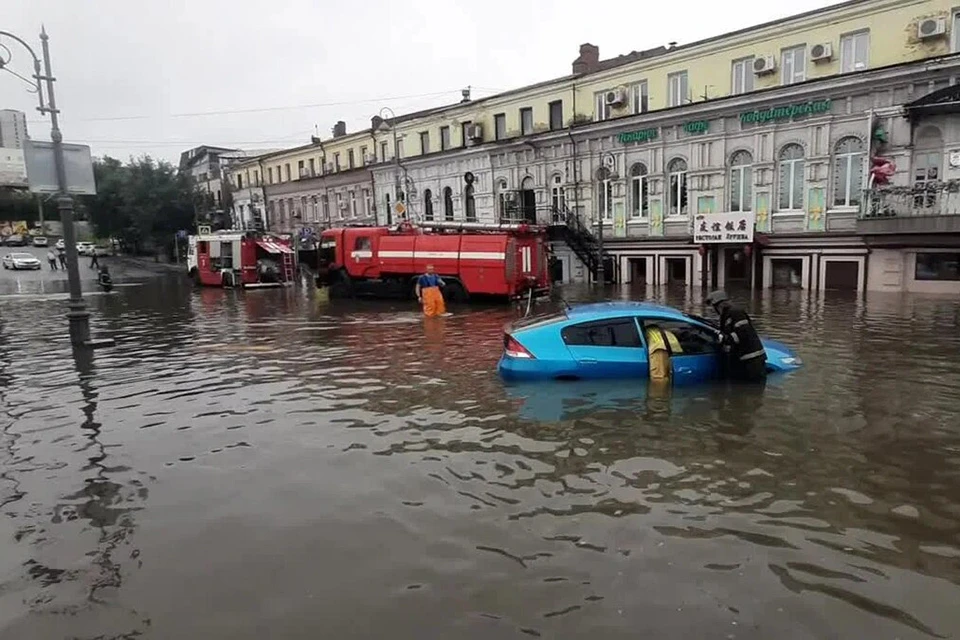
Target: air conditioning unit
(475,132)
(328,168)
(764,64)
(931,28)
(821,52)
(615,97)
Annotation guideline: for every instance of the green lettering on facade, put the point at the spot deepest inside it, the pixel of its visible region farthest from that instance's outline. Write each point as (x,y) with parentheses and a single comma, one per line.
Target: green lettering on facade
(788,112)
(696,126)
(644,135)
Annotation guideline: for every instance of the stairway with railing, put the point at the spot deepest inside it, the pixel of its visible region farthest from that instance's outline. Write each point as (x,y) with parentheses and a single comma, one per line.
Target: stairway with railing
(564,225)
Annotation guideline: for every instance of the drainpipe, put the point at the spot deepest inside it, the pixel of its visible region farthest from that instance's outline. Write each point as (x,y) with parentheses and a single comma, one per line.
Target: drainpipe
(323,175)
(573,142)
(373,187)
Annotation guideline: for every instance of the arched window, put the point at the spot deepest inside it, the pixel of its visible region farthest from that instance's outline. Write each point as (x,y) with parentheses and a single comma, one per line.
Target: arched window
(741,181)
(470,204)
(558,200)
(791,178)
(604,194)
(639,207)
(927,156)
(848,172)
(677,198)
(447,203)
(427,204)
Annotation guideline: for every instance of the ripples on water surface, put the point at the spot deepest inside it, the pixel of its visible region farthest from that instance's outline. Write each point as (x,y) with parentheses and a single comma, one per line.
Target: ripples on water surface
(257,465)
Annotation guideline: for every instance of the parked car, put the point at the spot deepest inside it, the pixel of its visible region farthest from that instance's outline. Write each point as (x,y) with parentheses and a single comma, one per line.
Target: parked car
(61,245)
(607,340)
(15,240)
(83,248)
(39,241)
(17,261)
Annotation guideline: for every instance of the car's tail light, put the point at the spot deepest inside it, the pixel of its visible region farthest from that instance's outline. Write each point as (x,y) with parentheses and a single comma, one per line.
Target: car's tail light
(514,349)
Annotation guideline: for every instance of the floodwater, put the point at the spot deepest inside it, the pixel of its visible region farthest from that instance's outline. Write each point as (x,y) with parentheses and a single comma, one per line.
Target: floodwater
(265,465)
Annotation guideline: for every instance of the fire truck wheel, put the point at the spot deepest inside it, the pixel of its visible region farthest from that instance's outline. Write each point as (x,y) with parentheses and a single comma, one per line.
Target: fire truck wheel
(341,286)
(455,292)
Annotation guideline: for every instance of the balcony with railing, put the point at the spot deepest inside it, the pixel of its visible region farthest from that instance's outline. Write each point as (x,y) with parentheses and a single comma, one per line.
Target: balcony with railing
(932,207)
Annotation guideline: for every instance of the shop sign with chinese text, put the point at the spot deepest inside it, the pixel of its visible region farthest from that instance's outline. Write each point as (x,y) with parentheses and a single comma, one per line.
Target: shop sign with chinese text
(732,228)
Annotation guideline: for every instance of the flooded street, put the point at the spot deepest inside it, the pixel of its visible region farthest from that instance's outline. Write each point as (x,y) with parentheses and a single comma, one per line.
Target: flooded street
(264,465)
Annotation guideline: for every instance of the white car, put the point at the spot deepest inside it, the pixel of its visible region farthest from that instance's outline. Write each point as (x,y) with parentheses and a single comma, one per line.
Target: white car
(20,261)
(39,241)
(84,248)
(61,245)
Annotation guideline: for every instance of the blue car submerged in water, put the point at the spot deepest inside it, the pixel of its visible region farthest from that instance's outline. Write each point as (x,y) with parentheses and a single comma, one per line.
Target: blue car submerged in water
(607,340)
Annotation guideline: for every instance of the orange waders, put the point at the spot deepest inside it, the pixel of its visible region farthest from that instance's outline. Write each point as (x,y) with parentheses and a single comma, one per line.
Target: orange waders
(433,304)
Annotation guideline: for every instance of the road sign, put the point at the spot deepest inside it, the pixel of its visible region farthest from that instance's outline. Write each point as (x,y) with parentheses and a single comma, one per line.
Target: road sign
(400,208)
(42,170)
(203,230)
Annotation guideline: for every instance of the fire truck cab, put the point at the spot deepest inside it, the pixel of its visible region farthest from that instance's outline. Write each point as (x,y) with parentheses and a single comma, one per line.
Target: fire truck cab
(244,259)
(472,258)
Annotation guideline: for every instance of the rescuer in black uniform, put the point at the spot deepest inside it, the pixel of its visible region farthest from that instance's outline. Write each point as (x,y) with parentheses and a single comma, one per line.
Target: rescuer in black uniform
(746,357)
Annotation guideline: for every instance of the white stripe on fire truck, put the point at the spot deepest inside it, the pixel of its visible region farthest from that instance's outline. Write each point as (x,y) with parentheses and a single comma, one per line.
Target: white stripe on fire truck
(444,255)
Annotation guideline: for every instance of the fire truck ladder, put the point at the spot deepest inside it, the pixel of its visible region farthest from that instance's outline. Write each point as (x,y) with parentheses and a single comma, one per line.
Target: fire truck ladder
(286,262)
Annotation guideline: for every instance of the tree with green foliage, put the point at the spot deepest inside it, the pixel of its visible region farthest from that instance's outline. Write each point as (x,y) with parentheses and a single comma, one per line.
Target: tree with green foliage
(142,203)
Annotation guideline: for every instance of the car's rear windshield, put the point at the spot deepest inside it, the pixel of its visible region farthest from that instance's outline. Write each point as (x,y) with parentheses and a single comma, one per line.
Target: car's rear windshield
(538,319)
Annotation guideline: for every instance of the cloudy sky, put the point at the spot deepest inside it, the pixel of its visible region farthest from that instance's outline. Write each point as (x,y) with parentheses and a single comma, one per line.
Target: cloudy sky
(161,76)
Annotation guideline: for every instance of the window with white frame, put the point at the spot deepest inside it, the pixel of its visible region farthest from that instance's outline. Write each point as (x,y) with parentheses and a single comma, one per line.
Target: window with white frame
(603,110)
(639,100)
(854,51)
(678,90)
(339,205)
(353,204)
(677,198)
(325,203)
(558,199)
(605,195)
(793,64)
(639,204)
(791,165)
(502,198)
(848,162)
(742,80)
(428,205)
(741,181)
(367,203)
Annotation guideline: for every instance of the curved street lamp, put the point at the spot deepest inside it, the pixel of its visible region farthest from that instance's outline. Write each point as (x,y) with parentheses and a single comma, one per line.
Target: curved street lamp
(78,316)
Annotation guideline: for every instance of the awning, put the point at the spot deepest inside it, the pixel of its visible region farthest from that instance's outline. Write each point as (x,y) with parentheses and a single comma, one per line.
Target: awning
(940,102)
(273,247)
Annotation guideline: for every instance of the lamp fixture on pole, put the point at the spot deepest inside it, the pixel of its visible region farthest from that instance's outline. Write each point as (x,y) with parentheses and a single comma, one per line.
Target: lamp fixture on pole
(77,315)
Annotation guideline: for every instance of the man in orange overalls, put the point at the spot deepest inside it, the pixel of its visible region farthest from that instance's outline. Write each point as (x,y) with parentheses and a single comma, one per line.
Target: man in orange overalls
(428,293)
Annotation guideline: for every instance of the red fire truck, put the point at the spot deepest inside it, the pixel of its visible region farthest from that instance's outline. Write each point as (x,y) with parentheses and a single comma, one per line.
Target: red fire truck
(507,260)
(240,259)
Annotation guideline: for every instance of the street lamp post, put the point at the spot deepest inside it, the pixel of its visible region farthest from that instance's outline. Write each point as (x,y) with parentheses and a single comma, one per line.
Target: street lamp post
(78,316)
(608,171)
(396,158)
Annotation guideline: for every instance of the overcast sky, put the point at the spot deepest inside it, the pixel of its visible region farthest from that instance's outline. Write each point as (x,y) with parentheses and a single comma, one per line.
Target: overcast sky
(133,75)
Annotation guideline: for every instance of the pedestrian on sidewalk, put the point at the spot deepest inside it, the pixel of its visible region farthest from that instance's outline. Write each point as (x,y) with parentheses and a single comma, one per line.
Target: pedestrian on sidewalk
(94,262)
(52,259)
(62,257)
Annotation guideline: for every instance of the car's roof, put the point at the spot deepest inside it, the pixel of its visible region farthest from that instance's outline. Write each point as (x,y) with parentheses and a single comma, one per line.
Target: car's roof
(605,309)
(22,255)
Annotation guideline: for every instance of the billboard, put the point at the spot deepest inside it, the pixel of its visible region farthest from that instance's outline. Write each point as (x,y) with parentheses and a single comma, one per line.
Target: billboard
(15,227)
(42,172)
(13,170)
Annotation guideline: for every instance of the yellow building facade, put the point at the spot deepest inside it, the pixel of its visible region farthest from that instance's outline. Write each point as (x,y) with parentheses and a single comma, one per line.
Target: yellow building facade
(679,114)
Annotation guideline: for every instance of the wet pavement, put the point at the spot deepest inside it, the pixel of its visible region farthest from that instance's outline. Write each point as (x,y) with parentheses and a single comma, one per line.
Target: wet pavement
(263,464)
